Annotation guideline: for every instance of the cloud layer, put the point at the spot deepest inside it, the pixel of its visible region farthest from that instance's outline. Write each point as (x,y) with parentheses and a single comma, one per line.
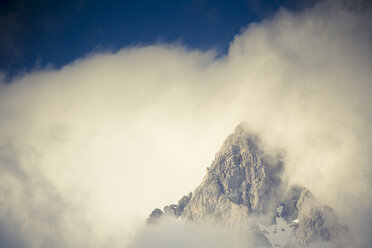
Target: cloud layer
(88,151)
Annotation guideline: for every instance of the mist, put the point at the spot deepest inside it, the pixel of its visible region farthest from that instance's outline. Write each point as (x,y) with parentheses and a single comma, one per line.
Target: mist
(88,151)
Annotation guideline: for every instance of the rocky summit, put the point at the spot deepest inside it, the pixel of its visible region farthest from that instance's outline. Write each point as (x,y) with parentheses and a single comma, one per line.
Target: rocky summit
(243,190)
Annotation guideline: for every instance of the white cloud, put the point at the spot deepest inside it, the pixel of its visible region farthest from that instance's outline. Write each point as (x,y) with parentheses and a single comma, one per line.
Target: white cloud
(120,134)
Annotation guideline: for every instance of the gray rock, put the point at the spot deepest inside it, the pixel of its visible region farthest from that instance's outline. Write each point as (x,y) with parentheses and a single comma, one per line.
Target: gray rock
(316,221)
(182,204)
(155,216)
(289,203)
(242,180)
(172,210)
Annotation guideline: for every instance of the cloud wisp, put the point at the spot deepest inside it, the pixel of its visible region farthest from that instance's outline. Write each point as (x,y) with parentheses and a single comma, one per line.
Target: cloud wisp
(89,150)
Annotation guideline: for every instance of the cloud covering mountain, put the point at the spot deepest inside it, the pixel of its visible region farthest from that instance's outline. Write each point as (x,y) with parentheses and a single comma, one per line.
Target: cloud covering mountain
(243,191)
(86,152)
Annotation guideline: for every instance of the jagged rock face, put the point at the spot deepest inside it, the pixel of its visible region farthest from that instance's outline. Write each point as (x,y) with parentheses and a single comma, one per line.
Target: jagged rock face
(244,182)
(289,203)
(172,210)
(240,181)
(155,216)
(182,204)
(316,221)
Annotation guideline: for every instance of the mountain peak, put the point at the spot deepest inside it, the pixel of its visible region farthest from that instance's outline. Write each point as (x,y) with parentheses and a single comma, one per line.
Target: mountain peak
(242,171)
(244,181)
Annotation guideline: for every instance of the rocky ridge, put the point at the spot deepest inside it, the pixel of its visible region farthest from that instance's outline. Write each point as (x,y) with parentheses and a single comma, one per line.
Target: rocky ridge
(244,182)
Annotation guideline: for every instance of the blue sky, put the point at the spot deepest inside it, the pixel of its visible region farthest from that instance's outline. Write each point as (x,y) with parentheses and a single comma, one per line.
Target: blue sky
(39,34)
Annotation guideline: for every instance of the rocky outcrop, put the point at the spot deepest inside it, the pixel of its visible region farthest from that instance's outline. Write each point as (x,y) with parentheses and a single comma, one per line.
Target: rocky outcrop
(242,183)
(289,203)
(316,221)
(173,210)
(182,204)
(155,216)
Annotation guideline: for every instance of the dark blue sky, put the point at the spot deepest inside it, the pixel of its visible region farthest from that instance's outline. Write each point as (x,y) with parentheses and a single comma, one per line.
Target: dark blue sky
(35,34)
